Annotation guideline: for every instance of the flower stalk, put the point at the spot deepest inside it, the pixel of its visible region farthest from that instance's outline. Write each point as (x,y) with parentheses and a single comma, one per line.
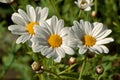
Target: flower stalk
(82,68)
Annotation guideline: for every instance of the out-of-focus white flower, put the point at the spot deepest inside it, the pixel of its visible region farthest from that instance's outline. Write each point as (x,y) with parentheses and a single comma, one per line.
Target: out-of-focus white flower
(6,1)
(25,22)
(52,40)
(91,37)
(84,4)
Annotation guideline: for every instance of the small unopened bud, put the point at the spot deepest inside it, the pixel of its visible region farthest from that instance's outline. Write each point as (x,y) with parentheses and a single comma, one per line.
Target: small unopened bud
(72,60)
(93,14)
(90,55)
(37,67)
(99,69)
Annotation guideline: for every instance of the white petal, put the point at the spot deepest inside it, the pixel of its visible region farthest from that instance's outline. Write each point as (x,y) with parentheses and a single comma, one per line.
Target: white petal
(82,25)
(43,32)
(24,15)
(104,34)
(105,41)
(31,13)
(46,25)
(97,49)
(59,26)
(64,32)
(36,48)
(72,42)
(105,49)
(97,29)
(75,33)
(6,1)
(68,50)
(82,49)
(44,14)
(76,2)
(18,19)
(46,51)
(17,29)
(51,53)
(88,27)
(38,10)
(60,52)
(23,38)
(54,21)
(49,21)
(87,9)
(40,41)
(58,59)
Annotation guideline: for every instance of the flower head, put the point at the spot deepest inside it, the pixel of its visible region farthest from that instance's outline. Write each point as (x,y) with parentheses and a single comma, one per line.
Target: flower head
(91,37)
(25,22)
(84,4)
(6,1)
(52,40)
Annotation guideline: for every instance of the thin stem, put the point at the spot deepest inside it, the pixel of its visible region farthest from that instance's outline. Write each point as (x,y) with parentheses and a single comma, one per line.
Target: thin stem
(67,69)
(52,73)
(54,8)
(98,77)
(6,68)
(80,13)
(96,5)
(81,71)
(12,8)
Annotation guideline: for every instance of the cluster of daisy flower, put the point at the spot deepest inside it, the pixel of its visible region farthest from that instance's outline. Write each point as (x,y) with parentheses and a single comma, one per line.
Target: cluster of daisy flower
(52,39)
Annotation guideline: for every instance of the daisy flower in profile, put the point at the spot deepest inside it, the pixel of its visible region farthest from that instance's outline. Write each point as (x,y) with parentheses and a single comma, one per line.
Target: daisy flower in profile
(52,40)
(84,4)
(6,1)
(91,37)
(25,22)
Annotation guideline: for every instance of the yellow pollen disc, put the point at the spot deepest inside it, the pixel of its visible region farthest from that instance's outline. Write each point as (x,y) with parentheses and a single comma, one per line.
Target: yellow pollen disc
(89,40)
(30,26)
(54,40)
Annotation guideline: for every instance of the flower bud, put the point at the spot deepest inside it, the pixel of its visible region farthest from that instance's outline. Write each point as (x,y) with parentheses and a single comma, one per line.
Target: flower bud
(99,69)
(72,60)
(93,14)
(90,55)
(37,67)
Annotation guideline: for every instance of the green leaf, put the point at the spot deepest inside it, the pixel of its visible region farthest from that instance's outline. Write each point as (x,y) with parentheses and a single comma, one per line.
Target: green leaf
(70,75)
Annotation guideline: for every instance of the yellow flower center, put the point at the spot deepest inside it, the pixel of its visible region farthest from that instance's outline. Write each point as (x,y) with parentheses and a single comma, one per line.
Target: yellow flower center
(54,40)
(83,2)
(30,26)
(89,40)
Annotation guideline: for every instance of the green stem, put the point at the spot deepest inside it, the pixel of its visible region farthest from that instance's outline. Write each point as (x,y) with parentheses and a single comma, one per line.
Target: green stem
(12,8)
(98,77)
(67,69)
(82,68)
(6,68)
(96,5)
(80,13)
(54,8)
(52,73)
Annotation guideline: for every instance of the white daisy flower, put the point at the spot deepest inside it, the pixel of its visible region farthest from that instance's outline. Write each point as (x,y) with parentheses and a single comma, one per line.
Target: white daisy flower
(52,40)
(6,1)
(25,21)
(84,4)
(91,37)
